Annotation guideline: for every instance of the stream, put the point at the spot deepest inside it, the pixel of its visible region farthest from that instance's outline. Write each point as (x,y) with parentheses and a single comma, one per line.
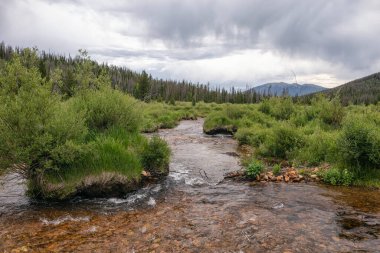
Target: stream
(195,210)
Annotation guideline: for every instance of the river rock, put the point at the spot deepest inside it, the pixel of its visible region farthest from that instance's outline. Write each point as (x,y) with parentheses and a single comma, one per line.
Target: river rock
(145,173)
(296,180)
(313,176)
(279,178)
(286,178)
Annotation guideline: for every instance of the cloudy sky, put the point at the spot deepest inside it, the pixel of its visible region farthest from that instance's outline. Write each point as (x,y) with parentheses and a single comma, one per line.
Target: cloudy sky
(223,42)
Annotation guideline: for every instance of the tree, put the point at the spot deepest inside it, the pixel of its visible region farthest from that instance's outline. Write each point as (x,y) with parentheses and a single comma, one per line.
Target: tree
(143,87)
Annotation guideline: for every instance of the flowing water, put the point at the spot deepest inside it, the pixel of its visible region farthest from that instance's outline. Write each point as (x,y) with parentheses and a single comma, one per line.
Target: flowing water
(195,210)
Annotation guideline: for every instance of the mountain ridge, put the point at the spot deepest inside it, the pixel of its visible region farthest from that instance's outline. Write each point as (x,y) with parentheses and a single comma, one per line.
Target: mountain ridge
(291,89)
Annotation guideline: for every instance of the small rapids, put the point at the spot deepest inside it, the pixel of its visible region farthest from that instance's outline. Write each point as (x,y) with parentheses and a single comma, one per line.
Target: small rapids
(195,210)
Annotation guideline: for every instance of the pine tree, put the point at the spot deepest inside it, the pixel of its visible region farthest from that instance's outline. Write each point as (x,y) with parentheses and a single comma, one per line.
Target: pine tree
(143,87)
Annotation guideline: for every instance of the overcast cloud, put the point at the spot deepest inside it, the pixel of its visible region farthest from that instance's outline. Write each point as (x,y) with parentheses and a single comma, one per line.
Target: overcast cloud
(222,42)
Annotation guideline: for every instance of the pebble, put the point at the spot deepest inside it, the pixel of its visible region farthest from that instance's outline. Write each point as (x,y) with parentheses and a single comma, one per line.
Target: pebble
(143,229)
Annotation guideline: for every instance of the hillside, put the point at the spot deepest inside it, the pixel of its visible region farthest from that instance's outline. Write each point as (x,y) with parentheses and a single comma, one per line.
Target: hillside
(364,90)
(294,89)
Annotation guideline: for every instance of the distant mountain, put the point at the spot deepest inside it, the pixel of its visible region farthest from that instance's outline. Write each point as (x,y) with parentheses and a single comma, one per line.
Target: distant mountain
(292,89)
(365,90)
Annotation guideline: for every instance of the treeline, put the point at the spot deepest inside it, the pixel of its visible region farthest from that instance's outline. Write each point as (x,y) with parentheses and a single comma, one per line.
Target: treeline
(64,70)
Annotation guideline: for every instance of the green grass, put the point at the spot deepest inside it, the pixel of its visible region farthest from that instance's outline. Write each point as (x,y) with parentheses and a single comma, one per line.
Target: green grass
(162,115)
(370,178)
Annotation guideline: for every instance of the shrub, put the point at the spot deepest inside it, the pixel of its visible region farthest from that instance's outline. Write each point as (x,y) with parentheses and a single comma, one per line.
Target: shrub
(155,157)
(107,108)
(335,176)
(253,136)
(235,111)
(254,169)
(319,147)
(218,120)
(331,112)
(29,128)
(168,121)
(299,118)
(283,108)
(276,169)
(265,107)
(282,142)
(359,144)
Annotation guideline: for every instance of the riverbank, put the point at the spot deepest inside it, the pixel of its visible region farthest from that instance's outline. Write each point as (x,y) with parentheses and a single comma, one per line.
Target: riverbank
(280,131)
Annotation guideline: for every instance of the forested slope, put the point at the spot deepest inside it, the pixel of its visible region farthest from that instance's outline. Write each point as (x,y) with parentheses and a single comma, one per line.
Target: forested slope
(365,90)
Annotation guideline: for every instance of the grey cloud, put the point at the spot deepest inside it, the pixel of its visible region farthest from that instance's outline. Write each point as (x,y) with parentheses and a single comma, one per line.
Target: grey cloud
(181,55)
(303,28)
(340,32)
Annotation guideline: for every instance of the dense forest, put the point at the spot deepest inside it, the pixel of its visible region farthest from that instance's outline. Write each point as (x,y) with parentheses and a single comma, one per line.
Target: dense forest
(64,71)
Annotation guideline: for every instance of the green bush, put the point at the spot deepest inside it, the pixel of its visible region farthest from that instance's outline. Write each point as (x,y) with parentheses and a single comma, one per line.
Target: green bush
(359,144)
(253,136)
(107,108)
(330,112)
(254,169)
(336,176)
(299,118)
(276,169)
(217,120)
(265,107)
(28,125)
(282,109)
(279,108)
(282,142)
(235,111)
(155,157)
(319,147)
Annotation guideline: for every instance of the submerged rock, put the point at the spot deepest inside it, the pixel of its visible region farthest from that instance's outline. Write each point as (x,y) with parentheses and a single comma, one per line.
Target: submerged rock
(220,130)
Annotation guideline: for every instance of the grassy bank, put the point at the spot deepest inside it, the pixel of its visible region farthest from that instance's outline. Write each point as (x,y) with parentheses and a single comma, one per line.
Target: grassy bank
(167,115)
(88,144)
(282,132)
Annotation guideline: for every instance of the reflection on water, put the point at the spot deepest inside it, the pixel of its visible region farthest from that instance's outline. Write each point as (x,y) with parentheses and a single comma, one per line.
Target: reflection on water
(194,210)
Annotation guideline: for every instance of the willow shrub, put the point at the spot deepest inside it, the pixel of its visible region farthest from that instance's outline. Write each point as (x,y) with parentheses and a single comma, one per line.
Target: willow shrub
(155,157)
(319,147)
(282,142)
(359,143)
